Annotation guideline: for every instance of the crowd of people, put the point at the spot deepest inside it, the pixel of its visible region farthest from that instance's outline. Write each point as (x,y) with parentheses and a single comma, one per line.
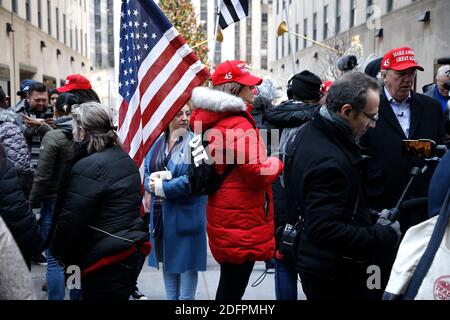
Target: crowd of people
(307,185)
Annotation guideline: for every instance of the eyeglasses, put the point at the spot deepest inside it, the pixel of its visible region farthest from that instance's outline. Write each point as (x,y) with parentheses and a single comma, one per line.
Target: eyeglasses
(374,118)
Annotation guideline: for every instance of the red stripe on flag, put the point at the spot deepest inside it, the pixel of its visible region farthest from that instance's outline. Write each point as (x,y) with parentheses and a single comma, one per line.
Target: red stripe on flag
(122,112)
(151,74)
(167,87)
(160,63)
(201,76)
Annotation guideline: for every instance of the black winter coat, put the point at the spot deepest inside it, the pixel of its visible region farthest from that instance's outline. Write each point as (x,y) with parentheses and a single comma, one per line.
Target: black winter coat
(324,185)
(387,170)
(289,114)
(103,191)
(16,212)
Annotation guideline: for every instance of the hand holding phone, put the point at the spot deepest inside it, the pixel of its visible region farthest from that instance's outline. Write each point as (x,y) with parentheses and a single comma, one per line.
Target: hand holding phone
(31,122)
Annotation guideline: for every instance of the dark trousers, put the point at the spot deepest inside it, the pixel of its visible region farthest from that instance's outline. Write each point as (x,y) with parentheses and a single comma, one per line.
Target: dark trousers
(350,285)
(113,282)
(233,280)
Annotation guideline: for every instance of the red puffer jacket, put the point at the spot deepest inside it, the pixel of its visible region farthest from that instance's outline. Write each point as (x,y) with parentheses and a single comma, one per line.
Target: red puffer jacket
(240,215)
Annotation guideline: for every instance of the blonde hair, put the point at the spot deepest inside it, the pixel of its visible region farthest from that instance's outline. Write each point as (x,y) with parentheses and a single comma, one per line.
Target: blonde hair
(233,88)
(96,120)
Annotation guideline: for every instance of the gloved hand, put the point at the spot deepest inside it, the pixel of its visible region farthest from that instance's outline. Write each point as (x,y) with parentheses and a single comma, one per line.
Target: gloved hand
(384,221)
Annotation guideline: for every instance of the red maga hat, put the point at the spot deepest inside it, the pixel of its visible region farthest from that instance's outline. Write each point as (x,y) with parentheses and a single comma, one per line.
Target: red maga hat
(400,59)
(234,71)
(75,82)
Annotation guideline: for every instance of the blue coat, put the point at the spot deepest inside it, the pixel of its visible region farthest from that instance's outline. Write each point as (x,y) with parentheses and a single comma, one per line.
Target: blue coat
(439,185)
(184,216)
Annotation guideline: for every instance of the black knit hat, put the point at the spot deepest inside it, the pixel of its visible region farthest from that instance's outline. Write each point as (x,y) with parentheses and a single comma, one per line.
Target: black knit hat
(305,86)
(373,68)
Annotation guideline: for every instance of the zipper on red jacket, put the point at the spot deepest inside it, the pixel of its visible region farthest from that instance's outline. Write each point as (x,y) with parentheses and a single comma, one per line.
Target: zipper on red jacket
(266,206)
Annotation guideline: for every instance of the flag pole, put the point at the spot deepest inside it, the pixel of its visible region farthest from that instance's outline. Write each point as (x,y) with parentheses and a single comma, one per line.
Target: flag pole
(290,37)
(216,30)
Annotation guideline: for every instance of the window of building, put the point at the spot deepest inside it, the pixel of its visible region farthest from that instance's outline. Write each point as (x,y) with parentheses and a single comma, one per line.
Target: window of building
(28,10)
(203,15)
(315,26)
(14,6)
(110,22)
(369,10)
(264,41)
(283,44)
(277,45)
(81,41)
(49,17)
(76,38)
(352,13)
(325,22)
(305,32)
(98,33)
(65,28)
(389,5)
(338,17)
(39,14)
(71,35)
(248,50)
(297,39)
(57,23)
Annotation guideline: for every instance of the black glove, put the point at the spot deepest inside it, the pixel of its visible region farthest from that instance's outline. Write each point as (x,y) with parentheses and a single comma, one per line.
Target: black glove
(384,221)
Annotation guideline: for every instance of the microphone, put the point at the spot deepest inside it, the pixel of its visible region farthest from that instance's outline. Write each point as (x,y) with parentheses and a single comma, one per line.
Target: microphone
(347,63)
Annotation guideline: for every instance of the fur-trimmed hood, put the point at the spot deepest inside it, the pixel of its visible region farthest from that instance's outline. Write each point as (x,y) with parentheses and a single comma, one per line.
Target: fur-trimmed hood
(211,106)
(216,101)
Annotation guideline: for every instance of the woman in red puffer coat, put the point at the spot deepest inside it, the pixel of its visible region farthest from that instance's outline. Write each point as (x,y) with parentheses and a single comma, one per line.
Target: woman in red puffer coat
(240,214)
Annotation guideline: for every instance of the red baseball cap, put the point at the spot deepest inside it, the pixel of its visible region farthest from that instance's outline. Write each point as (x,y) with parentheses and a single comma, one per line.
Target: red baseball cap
(326,86)
(75,82)
(400,59)
(234,71)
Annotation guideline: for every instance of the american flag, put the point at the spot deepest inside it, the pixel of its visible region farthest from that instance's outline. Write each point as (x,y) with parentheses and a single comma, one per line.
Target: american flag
(158,71)
(232,11)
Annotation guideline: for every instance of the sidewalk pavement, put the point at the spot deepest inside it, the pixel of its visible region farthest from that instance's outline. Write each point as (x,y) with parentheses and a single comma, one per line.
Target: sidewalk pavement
(150,283)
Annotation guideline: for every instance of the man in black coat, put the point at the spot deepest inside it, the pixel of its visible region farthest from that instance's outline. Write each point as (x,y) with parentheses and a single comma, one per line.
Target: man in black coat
(404,114)
(304,93)
(338,238)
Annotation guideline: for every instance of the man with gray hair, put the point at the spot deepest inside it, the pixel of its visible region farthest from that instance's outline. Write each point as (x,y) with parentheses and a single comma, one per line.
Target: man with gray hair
(440,89)
(326,198)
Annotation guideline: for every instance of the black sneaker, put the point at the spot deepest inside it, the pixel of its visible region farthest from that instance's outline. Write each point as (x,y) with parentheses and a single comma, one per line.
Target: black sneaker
(137,295)
(39,260)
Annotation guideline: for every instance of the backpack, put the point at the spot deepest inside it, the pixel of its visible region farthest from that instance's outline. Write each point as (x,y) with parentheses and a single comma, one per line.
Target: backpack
(202,175)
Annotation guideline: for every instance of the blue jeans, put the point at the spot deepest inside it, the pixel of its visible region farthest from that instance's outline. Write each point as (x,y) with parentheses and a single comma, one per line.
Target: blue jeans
(181,286)
(56,285)
(285,280)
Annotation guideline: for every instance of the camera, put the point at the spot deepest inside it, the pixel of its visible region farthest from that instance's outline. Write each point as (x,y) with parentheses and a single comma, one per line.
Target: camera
(347,63)
(288,240)
(423,148)
(447,86)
